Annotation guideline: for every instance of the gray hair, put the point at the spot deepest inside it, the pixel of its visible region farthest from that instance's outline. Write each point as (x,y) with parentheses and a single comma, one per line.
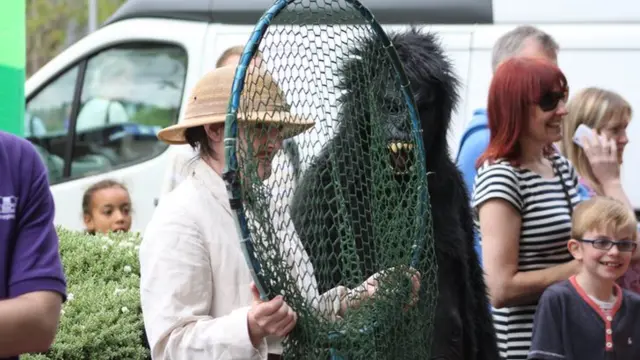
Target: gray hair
(510,43)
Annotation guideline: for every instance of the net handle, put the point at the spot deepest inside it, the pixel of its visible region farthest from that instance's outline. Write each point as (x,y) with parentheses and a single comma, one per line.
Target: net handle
(230,175)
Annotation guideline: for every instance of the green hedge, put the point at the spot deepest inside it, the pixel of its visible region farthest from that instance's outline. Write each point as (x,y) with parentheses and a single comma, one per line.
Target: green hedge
(101,318)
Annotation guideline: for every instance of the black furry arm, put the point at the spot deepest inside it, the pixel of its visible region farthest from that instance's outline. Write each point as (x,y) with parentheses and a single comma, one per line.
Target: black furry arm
(463,319)
(486,342)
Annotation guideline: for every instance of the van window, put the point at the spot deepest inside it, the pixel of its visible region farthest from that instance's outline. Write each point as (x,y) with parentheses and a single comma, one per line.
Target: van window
(46,121)
(128,94)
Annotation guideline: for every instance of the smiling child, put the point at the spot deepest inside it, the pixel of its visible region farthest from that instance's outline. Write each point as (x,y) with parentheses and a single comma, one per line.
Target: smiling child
(589,316)
(106,207)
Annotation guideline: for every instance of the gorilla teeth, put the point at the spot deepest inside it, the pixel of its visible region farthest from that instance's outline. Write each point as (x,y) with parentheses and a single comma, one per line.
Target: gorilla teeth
(395,147)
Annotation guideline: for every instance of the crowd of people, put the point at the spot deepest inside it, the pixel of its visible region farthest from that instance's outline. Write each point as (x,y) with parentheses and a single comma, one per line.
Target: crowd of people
(527,178)
(556,233)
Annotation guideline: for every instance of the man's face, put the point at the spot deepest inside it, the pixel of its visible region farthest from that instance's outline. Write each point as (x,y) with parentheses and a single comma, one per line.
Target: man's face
(260,143)
(533,49)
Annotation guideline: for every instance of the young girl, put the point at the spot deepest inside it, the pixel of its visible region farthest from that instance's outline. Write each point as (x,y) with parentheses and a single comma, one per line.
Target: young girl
(589,316)
(609,115)
(106,206)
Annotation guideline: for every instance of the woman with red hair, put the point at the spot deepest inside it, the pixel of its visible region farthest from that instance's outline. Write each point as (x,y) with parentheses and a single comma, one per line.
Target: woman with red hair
(524,195)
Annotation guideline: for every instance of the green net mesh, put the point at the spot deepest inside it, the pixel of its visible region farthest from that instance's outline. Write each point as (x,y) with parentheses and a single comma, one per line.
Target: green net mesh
(323,79)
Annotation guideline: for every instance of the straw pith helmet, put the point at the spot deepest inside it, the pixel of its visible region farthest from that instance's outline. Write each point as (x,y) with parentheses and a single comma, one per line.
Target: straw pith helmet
(261,97)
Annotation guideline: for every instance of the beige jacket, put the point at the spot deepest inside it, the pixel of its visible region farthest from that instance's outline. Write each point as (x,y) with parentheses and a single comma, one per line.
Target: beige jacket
(181,162)
(194,282)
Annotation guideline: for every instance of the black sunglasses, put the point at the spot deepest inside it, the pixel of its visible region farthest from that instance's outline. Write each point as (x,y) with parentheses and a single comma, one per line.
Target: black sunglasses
(606,244)
(549,101)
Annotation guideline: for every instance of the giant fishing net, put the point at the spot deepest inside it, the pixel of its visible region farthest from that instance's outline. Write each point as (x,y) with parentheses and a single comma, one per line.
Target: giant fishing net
(324,74)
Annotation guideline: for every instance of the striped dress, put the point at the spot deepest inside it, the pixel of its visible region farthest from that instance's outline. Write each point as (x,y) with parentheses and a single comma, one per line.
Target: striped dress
(545,230)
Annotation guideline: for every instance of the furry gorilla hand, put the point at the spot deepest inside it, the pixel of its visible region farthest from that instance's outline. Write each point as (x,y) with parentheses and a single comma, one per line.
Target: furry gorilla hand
(463,324)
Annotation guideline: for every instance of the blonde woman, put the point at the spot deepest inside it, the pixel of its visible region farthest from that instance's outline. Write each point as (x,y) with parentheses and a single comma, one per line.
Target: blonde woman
(598,163)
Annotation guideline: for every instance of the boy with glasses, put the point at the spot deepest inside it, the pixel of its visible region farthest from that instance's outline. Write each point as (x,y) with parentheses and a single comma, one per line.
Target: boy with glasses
(589,316)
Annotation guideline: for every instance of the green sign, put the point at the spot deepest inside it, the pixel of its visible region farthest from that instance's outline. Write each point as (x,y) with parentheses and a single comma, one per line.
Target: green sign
(12,66)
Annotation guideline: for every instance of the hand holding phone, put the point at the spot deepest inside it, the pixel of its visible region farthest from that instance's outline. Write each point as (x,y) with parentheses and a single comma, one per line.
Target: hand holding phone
(581,132)
(602,153)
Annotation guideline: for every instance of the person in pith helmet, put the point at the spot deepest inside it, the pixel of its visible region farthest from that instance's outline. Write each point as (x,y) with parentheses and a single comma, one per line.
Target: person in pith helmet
(197,296)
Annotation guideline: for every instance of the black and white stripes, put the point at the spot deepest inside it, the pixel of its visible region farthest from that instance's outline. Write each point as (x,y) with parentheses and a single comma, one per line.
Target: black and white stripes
(545,230)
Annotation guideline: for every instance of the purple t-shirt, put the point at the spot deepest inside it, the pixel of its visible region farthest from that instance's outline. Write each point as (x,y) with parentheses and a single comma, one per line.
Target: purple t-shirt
(29,254)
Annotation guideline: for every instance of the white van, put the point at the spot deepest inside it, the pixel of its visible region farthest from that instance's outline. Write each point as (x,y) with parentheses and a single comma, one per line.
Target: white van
(98,105)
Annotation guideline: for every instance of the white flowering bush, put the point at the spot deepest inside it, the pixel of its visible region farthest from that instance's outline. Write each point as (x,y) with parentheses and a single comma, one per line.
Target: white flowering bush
(101,318)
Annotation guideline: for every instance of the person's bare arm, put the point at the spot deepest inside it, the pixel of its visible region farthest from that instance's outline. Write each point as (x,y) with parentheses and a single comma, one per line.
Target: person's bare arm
(500,228)
(29,322)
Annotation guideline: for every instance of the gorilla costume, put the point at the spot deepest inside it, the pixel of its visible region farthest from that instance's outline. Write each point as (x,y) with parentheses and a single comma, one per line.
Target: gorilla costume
(463,326)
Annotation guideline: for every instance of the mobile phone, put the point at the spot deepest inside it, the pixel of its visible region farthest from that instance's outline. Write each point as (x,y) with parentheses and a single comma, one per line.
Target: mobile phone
(582,131)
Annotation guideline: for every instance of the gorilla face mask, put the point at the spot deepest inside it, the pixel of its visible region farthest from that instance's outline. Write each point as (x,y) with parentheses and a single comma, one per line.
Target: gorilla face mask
(397,132)
(386,121)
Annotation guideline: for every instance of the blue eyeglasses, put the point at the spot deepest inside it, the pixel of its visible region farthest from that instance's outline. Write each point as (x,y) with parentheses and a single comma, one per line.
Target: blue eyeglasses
(606,244)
